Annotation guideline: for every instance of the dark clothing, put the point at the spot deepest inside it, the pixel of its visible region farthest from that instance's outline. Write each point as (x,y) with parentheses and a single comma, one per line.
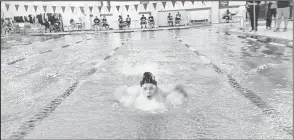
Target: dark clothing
(251,14)
(120,20)
(31,19)
(128,21)
(151,19)
(170,17)
(50,17)
(143,18)
(283,4)
(178,16)
(96,20)
(269,15)
(257,2)
(26,19)
(39,17)
(105,24)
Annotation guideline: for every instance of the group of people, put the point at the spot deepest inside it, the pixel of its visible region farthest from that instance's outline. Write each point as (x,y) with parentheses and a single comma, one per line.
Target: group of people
(6,25)
(144,21)
(150,20)
(99,24)
(122,24)
(50,21)
(170,21)
(279,9)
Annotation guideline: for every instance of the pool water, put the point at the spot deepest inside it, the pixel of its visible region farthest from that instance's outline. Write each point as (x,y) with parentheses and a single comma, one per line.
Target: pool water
(217,107)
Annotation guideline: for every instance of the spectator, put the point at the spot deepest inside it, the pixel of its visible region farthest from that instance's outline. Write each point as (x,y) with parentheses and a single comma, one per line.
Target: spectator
(120,22)
(227,16)
(250,8)
(151,21)
(283,10)
(178,18)
(105,23)
(170,19)
(96,22)
(47,25)
(143,21)
(128,20)
(271,11)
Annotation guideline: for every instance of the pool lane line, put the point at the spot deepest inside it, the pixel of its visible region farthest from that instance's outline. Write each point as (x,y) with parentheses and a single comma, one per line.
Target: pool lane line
(65,46)
(15,61)
(40,53)
(29,125)
(78,42)
(46,51)
(255,99)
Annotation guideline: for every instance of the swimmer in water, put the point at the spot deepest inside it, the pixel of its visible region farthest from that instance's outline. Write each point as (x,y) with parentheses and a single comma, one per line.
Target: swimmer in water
(150,95)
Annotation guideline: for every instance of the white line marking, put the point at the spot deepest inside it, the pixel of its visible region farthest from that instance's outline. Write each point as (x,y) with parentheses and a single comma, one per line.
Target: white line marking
(253,39)
(111,53)
(277,44)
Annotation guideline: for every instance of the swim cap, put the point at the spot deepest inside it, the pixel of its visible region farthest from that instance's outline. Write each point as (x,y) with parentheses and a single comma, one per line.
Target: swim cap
(148,78)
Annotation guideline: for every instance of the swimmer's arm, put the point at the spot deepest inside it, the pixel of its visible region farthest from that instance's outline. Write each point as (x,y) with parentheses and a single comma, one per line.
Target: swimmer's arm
(181,89)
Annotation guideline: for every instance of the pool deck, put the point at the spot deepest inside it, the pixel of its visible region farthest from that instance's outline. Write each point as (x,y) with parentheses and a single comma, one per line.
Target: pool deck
(280,38)
(263,35)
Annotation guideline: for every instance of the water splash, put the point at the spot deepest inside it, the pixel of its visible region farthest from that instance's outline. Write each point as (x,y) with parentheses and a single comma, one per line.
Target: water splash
(130,96)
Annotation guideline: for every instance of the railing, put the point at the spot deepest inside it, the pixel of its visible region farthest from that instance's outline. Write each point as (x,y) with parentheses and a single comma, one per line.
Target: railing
(241,20)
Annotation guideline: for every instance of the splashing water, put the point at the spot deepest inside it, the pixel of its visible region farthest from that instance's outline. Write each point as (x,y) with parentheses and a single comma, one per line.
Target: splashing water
(132,96)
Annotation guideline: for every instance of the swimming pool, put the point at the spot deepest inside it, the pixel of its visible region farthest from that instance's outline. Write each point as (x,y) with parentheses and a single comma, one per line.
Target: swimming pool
(236,85)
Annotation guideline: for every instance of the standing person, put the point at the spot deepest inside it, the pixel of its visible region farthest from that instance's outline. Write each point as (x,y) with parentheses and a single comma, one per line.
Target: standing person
(283,10)
(271,11)
(250,8)
(178,18)
(120,22)
(128,20)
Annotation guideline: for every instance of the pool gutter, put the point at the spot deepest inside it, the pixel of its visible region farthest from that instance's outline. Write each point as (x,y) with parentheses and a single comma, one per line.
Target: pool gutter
(120,31)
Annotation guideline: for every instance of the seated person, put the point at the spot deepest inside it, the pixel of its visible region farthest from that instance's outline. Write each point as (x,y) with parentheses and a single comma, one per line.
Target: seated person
(47,25)
(178,18)
(96,22)
(72,22)
(104,22)
(143,21)
(151,21)
(170,20)
(80,24)
(227,16)
(9,25)
(128,20)
(57,25)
